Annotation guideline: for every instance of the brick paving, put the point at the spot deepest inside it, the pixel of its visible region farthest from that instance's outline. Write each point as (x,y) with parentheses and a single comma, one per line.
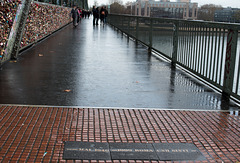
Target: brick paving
(37,134)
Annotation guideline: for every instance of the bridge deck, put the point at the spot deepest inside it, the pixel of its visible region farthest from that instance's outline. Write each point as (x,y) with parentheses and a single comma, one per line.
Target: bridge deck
(97,67)
(100,68)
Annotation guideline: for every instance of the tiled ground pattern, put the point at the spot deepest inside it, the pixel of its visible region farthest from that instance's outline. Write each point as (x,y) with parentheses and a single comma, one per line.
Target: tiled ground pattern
(37,134)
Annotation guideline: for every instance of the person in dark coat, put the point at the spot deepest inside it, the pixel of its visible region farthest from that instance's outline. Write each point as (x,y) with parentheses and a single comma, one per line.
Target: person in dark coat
(95,12)
(75,15)
(103,15)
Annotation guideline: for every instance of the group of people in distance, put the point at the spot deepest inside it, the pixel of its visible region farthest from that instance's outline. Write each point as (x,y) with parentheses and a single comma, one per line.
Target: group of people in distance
(77,14)
(102,14)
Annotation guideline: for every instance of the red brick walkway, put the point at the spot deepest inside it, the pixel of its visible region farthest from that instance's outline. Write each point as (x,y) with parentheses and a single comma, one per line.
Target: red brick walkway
(34,134)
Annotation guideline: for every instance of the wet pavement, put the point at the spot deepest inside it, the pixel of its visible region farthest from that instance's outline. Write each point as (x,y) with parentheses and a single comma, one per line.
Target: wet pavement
(99,67)
(37,134)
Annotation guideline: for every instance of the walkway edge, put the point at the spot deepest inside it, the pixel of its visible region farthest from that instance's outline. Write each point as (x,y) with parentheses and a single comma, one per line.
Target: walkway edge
(116,108)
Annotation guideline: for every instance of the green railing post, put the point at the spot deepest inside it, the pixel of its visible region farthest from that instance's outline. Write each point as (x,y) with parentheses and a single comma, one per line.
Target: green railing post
(123,24)
(175,43)
(137,29)
(150,35)
(230,61)
(109,20)
(128,29)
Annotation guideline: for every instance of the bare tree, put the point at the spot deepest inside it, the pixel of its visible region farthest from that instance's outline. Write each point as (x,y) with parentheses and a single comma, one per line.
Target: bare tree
(237,16)
(118,8)
(206,12)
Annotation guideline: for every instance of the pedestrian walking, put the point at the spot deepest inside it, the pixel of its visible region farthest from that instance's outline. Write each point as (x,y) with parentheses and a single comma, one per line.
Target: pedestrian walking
(88,13)
(106,14)
(95,12)
(79,15)
(75,15)
(103,14)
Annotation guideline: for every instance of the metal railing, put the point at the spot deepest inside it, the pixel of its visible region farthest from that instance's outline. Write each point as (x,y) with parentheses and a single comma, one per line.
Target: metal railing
(209,50)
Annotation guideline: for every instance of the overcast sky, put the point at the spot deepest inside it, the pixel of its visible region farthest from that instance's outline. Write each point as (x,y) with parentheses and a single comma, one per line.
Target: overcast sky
(224,3)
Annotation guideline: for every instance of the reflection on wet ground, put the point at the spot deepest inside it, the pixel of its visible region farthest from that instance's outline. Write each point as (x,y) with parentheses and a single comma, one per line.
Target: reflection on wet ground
(98,67)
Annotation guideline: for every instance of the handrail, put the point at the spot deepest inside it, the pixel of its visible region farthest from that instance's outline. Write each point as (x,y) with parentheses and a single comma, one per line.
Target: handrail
(210,50)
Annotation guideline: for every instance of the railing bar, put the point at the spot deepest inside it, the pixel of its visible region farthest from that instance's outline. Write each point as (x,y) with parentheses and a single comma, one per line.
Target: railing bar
(133,26)
(171,51)
(122,28)
(188,46)
(181,45)
(182,40)
(211,55)
(200,50)
(204,51)
(195,48)
(194,60)
(150,31)
(192,47)
(130,25)
(127,26)
(211,48)
(214,53)
(184,45)
(215,57)
(207,57)
(178,43)
(222,61)
(218,58)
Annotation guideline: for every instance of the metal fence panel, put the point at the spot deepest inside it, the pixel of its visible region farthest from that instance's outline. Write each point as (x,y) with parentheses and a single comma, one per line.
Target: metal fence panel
(163,37)
(201,47)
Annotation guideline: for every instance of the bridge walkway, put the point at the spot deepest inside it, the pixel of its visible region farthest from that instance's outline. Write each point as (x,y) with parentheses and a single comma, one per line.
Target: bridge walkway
(92,84)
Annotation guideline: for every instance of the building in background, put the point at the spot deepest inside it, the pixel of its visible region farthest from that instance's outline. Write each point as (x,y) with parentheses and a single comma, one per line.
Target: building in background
(230,15)
(181,9)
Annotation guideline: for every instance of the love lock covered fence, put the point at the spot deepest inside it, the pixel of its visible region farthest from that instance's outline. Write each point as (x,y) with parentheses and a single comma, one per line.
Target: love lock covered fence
(209,50)
(28,23)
